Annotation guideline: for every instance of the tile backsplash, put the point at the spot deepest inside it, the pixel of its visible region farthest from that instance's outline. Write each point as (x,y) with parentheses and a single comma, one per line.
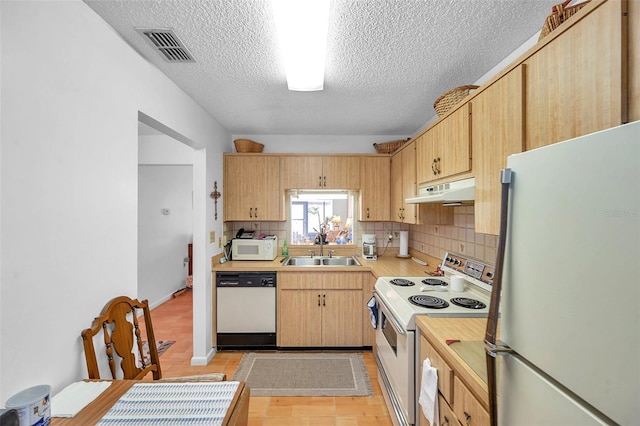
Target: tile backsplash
(460,237)
(435,239)
(432,239)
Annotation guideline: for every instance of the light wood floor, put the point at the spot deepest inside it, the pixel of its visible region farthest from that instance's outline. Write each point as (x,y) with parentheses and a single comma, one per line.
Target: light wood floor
(172,321)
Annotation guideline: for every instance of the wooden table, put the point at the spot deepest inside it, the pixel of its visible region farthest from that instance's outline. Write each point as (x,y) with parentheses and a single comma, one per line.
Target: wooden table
(237,415)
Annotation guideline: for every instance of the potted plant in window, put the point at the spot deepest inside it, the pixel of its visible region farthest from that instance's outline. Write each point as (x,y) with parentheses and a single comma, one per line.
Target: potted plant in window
(321,238)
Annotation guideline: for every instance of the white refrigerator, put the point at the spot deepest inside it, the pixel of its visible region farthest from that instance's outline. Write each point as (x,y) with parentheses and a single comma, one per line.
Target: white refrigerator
(570,299)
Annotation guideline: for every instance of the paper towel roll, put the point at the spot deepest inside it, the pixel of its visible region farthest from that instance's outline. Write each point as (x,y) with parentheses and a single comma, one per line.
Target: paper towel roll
(404,243)
(457,283)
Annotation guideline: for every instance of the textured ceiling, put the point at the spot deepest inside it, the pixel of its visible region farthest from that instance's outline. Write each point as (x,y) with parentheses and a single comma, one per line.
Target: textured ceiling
(387,60)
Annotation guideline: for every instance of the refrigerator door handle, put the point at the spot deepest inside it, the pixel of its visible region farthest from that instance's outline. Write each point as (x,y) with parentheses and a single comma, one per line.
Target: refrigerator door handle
(497,349)
(491,348)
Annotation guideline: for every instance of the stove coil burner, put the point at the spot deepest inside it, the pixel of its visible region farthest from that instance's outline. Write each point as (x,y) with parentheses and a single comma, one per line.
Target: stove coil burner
(402,282)
(468,303)
(428,301)
(433,281)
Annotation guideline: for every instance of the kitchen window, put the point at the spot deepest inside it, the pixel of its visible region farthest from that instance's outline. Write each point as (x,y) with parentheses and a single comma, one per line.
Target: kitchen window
(314,211)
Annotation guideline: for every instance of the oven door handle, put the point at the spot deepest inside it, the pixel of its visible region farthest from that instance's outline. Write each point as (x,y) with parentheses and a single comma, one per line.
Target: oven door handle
(396,326)
(387,314)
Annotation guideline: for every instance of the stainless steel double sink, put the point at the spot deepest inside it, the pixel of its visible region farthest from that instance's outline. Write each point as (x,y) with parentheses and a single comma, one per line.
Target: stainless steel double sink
(321,261)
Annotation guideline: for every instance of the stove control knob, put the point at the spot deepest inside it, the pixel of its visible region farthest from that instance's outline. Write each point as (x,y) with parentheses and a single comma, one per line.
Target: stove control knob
(489,274)
(456,262)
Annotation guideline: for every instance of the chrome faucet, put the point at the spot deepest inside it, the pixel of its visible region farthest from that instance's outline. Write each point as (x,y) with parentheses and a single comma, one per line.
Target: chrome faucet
(313,253)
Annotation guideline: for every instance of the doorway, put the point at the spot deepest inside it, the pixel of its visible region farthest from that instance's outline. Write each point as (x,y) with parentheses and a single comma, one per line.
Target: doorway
(165,214)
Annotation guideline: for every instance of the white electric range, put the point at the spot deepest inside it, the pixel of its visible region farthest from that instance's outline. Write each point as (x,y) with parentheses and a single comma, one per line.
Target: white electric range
(399,300)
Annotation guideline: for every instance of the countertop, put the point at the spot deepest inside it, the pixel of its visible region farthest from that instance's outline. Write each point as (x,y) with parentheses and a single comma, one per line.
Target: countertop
(438,330)
(387,265)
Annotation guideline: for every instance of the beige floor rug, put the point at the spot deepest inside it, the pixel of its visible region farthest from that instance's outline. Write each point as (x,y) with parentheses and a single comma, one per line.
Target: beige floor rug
(304,374)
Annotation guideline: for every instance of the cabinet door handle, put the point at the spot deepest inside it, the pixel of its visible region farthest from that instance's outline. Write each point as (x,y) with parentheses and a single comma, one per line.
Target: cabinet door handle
(467,418)
(320,181)
(367,212)
(324,182)
(446,421)
(255,213)
(318,300)
(250,211)
(323,300)
(435,166)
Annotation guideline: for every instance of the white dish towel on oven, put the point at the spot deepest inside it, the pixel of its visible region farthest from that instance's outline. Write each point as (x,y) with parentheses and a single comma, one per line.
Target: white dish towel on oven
(429,393)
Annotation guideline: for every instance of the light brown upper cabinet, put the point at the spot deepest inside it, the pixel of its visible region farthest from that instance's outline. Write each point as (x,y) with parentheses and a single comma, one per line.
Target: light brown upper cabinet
(576,82)
(320,172)
(403,184)
(445,149)
(497,132)
(375,178)
(251,188)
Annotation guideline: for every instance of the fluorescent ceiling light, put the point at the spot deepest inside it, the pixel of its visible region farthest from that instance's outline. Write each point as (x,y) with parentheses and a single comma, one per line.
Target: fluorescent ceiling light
(302,27)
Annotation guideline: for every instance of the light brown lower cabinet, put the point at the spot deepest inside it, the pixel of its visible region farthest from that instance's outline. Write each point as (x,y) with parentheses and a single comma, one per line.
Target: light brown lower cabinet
(320,309)
(445,413)
(456,404)
(466,406)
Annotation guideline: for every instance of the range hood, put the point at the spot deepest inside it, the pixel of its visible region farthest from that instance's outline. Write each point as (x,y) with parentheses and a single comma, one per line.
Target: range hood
(458,192)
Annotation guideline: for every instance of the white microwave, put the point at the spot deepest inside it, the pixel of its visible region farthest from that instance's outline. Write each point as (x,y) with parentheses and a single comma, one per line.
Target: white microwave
(254,249)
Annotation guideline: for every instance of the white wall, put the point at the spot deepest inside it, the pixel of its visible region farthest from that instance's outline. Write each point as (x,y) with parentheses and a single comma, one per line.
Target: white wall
(163,150)
(69,182)
(165,228)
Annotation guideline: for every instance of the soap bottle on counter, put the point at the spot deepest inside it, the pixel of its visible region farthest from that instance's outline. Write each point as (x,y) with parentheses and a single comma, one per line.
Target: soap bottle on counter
(285,248)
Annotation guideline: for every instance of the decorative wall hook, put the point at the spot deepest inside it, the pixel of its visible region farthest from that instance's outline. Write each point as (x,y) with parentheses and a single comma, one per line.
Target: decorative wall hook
(215,195)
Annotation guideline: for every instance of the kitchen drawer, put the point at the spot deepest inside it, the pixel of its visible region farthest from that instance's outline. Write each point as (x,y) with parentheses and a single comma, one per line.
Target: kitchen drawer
(467,408)
(445,373)
(446,414)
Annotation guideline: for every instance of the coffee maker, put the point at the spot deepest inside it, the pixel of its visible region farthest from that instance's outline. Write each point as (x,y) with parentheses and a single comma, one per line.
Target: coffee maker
(369,247)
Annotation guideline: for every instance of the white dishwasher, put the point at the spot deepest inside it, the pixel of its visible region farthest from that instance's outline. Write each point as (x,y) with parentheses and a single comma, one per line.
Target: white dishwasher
(246,310)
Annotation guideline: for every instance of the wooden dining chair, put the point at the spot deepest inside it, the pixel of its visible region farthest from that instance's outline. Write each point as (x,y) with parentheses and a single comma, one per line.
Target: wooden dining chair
(123,340)
(124,334)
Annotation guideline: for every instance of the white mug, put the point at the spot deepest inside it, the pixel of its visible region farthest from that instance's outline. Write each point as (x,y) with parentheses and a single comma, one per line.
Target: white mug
(457,283)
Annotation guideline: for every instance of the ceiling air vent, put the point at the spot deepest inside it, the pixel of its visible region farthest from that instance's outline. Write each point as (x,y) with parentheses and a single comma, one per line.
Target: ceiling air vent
(168,44)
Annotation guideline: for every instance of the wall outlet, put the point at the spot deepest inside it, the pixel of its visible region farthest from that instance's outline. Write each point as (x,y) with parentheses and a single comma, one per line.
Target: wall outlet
(396,234)
(212,237)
